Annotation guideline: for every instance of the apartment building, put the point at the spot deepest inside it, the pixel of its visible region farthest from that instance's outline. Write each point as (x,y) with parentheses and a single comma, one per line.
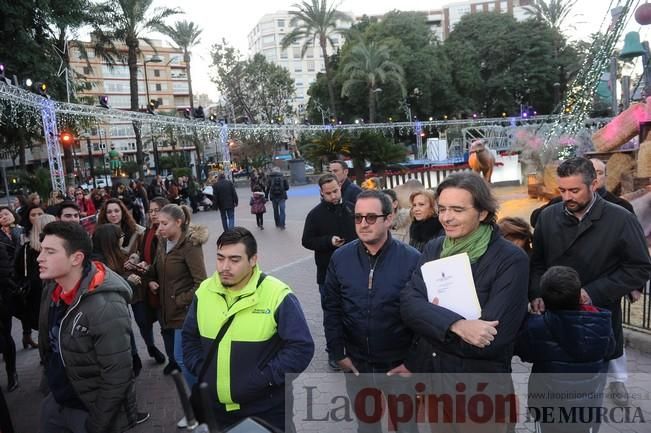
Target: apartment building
(266,38)
(167,84)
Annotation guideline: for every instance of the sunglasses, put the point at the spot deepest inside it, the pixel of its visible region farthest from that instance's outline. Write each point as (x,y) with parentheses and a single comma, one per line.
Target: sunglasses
(370,218)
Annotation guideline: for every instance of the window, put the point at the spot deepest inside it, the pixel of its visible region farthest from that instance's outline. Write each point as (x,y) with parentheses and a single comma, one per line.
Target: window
(180,87)
(280,23)
(160,101)
(298,68)
(296,53)
(159,87)
(310,66)
(88,70)
(116,71)
(156,72)
(283,54)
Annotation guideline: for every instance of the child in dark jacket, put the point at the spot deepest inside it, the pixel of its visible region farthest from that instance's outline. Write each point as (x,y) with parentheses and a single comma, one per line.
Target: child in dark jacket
(569,345)
(258,207)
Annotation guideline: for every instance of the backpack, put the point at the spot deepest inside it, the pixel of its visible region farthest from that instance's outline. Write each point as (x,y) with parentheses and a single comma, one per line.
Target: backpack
(277,186)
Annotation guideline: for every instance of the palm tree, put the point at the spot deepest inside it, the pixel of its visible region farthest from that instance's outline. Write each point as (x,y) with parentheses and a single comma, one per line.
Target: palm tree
(316,20)
(185,34)
(552,12)
(128,21)
(369,64)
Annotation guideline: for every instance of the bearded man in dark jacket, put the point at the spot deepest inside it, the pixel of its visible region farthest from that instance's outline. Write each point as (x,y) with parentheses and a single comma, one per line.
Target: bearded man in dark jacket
(603,242)
(328,226)
(84,338)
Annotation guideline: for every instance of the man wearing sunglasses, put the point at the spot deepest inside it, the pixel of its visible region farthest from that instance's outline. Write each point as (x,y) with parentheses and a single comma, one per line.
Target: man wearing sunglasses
(363,328)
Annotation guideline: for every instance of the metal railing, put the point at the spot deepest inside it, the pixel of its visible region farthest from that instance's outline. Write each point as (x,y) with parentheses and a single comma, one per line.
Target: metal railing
(637,315)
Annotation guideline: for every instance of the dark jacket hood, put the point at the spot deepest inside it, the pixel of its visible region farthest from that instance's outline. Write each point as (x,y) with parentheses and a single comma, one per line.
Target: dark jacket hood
(584,335)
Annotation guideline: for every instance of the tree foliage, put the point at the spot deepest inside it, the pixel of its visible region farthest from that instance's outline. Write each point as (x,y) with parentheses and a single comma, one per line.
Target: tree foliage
(254,88)
(185,34)
(130,21)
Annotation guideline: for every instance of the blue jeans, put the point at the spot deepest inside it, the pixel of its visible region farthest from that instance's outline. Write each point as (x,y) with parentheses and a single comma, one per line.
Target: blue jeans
(190,379)
(279,211)
(228,218)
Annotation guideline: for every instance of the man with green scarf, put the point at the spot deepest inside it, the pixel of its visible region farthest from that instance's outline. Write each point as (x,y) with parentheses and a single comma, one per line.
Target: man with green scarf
(448,342)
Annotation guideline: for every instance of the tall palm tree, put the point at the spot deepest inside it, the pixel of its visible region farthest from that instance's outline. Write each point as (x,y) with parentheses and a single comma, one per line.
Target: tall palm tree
(128,21)
(316,20)
(552,12)
(369,64)
(185,34)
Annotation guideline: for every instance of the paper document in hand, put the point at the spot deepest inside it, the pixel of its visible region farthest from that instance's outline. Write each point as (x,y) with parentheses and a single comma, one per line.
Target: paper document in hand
(450,280)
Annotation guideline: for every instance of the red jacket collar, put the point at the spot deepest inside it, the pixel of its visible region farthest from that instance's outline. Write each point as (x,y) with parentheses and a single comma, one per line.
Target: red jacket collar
(98,278)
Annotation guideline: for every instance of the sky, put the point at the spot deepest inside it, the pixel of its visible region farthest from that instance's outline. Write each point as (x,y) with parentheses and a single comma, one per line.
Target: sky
(234,20)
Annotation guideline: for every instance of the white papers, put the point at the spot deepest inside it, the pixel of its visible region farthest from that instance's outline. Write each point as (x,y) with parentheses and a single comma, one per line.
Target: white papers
(450,280)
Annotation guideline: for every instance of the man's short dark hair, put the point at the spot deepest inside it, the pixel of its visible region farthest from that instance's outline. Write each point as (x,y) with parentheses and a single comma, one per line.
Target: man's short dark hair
(578,166)
(74,237)
(391,193)
(327,178)
(341,163)
(561,288)
(66,204)
(385,201)
(482,197)
(239,235)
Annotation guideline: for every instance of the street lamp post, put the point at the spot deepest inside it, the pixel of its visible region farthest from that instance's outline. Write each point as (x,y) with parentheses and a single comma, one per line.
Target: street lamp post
(154,59)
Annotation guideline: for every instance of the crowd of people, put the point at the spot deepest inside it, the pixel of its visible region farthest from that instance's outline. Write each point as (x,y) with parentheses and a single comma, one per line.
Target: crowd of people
(550,296)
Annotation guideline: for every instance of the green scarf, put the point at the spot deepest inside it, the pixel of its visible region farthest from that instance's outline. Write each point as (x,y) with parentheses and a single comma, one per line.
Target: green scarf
(475,243)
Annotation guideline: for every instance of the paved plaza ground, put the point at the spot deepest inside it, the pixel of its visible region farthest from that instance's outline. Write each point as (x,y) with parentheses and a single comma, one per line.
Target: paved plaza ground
(280,254)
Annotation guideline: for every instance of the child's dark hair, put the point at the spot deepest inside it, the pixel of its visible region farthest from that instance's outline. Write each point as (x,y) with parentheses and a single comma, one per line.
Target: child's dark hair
(561,288)
(257,188)
(73,235)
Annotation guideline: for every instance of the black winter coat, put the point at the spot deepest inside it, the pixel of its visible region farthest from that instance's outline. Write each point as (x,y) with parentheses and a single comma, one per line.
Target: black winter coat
(270,190)
(607,248)
(500,276)
(95,347)
(323,222)
(350,191)
(421,232)
(224,194)
(361,323)
(569,350)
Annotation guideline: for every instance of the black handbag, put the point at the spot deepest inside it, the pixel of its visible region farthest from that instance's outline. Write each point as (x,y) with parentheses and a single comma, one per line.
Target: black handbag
(195,396)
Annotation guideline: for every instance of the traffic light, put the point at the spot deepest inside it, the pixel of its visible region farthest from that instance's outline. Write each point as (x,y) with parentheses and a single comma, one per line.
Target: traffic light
(152,106)
(198,113)
(104,101)
(41,89)
(2,75)
(66,138)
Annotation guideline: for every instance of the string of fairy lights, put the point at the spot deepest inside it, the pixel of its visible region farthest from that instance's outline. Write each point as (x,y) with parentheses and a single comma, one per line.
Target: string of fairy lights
(22,107)
(578,100)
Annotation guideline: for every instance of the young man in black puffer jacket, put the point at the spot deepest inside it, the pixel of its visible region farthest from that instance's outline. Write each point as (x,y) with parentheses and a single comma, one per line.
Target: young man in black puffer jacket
(84,338)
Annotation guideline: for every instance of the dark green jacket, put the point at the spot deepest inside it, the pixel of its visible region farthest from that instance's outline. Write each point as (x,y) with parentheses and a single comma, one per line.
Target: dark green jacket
(94,341)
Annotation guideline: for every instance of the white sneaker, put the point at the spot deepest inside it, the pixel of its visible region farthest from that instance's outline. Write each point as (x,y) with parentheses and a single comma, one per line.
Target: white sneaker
(183,423)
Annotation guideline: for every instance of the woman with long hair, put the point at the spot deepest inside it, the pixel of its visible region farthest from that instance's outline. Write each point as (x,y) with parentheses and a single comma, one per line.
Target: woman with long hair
(175,275)
(86,205)
(425,225)
(27,274)
(106,249)
(10,235)
(115,212)
(517,231)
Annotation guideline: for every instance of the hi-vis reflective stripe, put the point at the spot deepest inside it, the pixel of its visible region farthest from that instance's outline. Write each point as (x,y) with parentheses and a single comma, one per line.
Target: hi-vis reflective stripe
(254,322)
